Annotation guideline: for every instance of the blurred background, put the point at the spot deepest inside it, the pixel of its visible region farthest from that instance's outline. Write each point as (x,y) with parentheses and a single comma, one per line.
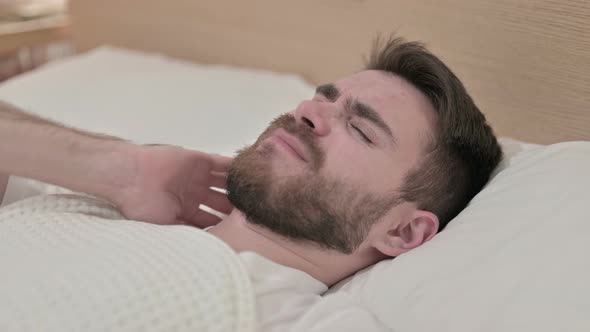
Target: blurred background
(32,32)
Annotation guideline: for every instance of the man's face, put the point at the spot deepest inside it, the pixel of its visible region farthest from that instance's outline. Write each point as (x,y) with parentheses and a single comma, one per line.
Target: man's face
(328,171)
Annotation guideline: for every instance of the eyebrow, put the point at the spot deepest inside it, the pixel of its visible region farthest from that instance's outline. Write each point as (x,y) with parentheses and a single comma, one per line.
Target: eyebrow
(366,112)
(357,108)
(330,91)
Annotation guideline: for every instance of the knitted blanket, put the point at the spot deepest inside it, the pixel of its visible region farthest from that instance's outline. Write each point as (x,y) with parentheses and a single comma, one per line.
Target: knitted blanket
(72,263)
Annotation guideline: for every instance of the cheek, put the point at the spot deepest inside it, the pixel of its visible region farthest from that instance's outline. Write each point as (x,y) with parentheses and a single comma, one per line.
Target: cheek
(359,165)
(344,157)
(372,169)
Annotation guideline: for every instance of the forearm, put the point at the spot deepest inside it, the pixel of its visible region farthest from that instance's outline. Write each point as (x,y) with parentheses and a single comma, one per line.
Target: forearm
(39,149)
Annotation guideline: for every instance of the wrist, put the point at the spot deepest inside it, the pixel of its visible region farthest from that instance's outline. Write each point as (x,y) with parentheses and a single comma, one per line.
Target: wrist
(113,172)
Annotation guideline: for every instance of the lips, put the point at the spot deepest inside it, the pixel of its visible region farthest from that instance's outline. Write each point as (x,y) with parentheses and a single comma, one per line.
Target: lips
(291,143)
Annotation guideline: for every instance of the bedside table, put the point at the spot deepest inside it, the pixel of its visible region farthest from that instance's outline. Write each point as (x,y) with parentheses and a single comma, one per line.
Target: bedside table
(27,44)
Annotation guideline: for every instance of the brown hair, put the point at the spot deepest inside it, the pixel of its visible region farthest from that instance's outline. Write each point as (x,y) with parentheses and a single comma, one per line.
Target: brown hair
(463,151)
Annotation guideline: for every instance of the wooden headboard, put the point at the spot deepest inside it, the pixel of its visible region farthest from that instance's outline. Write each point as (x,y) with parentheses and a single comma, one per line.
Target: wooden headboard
(526,63)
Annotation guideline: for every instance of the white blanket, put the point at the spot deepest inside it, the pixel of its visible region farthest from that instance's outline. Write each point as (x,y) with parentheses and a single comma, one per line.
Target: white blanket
(70,264)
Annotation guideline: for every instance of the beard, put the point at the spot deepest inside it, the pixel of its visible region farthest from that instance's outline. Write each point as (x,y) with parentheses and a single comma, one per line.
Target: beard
(310,207)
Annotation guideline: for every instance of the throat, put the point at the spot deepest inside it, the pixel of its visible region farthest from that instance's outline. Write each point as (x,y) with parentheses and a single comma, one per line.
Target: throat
(326,266)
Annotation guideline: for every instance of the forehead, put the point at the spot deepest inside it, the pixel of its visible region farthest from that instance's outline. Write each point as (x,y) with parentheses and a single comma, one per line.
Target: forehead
(403,107)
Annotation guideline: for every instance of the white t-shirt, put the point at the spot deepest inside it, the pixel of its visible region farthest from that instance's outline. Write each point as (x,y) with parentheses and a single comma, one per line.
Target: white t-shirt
(283,294)
(289,300)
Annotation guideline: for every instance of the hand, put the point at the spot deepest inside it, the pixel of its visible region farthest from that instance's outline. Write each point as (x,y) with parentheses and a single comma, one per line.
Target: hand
(169,183)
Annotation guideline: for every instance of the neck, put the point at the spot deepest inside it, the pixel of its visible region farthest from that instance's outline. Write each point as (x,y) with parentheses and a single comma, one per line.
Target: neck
(327,266)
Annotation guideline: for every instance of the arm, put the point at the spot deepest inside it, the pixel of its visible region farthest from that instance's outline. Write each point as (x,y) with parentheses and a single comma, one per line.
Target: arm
(158,184)
(39,149)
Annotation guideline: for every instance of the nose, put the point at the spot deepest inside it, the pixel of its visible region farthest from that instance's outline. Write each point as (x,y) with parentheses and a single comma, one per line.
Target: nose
(314,115)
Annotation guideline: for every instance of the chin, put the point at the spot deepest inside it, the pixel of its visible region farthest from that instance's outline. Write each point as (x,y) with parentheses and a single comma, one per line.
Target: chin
(280,170)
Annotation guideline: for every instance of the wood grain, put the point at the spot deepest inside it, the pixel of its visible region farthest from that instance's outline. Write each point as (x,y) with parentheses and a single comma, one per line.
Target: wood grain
(12,38)
(526,63)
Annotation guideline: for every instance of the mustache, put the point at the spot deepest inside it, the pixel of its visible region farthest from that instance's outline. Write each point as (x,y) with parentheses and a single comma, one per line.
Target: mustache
(303,132)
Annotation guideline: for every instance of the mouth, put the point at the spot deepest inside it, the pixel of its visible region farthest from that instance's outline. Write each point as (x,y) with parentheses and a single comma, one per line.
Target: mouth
(289,143)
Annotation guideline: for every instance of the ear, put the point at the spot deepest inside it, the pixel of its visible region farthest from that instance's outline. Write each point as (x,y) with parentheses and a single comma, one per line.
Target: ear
(408,234)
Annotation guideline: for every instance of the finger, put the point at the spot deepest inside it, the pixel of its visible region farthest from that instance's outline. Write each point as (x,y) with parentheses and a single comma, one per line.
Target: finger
(218,180)
(203,219)
(219,173)
(218,201)
(221,163)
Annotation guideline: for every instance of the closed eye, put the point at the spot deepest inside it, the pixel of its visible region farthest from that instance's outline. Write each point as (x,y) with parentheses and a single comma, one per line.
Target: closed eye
(361,133)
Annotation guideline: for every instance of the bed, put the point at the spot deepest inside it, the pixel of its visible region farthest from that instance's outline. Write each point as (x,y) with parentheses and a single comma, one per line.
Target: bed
(210,75)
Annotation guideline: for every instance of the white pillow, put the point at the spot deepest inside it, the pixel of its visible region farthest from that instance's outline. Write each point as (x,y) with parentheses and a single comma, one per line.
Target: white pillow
(149,98)
(516,259)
